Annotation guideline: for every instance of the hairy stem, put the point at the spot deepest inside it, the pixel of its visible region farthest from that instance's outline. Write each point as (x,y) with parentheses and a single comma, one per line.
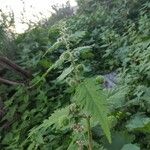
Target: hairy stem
(89,134)
(80,147)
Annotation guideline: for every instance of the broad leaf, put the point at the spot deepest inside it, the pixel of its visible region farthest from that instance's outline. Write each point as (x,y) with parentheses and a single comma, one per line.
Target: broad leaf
(93,100)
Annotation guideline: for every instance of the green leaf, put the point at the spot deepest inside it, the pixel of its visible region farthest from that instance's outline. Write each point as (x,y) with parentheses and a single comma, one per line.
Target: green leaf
(10,113)
(73,145)
(54,47)
(60,120)
(90,97)
(83,48)
(77,36)
(117,98)
(65,73)
(119,139)
(45,63)
(140,123)
(130,147)
(31,146)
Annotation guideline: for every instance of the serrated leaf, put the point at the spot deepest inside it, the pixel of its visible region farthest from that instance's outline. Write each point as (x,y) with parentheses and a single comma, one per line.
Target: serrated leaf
(56,119)
(93,100)
(117,98)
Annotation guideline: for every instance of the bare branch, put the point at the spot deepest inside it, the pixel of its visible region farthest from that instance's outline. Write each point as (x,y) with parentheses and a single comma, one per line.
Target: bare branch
(8,82)
(15,67)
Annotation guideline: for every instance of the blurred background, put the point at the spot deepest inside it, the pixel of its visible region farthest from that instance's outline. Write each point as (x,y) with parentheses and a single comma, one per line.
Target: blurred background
(27,11)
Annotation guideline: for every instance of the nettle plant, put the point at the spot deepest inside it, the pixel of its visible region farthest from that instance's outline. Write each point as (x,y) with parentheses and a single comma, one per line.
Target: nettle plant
(88,104)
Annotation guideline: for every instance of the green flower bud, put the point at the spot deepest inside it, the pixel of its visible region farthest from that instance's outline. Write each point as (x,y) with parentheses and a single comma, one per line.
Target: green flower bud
(72,83)
(66,55)
(66,36)
(76,54)
(73,107)
(100,79)
(80,68)
(68,80)
(87,55)
(59,40)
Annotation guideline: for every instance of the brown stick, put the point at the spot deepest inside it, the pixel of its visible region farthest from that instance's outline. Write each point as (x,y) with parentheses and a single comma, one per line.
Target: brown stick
(15,67)
(5,81)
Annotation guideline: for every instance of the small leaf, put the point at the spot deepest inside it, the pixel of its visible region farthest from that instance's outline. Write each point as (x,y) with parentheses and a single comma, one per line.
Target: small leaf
(31,146)
(65,73)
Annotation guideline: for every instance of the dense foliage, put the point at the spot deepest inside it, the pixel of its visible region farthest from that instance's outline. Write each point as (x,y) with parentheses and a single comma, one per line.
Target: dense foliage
(7,46)
(68,105)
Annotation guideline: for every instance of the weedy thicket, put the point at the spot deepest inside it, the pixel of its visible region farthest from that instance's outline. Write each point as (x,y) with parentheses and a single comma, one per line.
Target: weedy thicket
(7,46)
(67,105)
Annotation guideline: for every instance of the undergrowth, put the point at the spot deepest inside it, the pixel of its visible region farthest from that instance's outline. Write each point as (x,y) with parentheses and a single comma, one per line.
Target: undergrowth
(67,105)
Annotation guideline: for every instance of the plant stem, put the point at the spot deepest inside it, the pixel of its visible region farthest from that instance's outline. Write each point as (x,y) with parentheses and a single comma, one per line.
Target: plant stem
(89,133)
(80,147)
